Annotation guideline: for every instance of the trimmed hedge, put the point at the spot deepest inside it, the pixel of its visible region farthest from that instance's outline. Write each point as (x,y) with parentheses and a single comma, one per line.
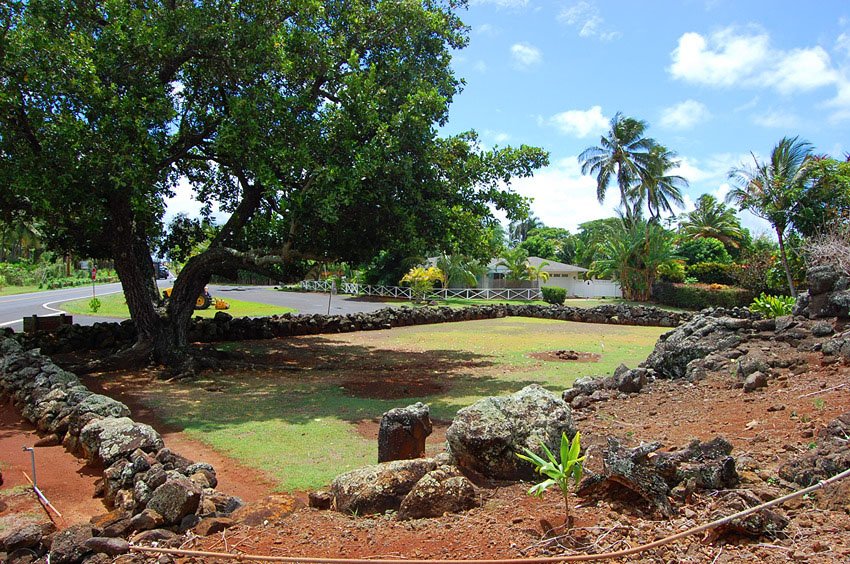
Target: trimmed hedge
(713,272)
(553,295)
(700,296)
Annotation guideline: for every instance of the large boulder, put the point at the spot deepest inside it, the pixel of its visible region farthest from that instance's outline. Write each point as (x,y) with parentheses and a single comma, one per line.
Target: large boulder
(109,439)
(375,489)
(485,437)
(696,339)
(403,432)
(443,490)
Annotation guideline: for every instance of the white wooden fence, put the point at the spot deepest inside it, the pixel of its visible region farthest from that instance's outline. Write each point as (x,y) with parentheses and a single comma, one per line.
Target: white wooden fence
(438,293)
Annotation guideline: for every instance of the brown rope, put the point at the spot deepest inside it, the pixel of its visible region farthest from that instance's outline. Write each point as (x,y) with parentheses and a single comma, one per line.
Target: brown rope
(537,560)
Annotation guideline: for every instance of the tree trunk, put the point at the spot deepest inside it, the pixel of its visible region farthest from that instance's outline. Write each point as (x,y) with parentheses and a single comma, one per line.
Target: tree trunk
(784,258)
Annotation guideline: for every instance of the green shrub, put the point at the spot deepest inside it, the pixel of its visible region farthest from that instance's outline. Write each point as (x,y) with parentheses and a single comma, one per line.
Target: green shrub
(712,272)
(553,295)
(673,271)
(703,249)
(700,296)
(773,306)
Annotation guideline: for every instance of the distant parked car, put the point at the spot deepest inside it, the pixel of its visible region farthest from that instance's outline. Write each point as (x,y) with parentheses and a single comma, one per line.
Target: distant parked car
(160,270)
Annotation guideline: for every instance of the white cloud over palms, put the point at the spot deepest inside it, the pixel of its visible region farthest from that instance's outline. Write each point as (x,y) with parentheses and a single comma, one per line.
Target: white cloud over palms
(580,123)
(684,115)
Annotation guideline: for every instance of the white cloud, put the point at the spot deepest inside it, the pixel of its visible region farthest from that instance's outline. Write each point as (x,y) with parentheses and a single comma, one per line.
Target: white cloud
(480,66)
(497,136)
(842,44)
(684,115)
(184,202)
(580,123)
(776,119)
(586,18)
(487,29)
(525,55)
(801,70)
(729,58)
(723,59)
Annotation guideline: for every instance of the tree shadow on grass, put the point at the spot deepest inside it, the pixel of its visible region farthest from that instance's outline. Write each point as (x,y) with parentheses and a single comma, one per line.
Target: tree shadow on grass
(298,381)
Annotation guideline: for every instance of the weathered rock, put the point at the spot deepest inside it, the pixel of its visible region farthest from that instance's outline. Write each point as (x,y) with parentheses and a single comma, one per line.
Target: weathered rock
(155,535)
(755,381)
(629,381)
(68,546)
(48,441)
(705,466)
(767,522)
(146,520)
(831,456)
(443,490)
(485,437)
(107,545)
(403,431)
(212,525)
(822,329)
(101,522)
(375,489)
(175,499)
(28,536)
(696,339)
(109,439)
(321,499)
(223,504)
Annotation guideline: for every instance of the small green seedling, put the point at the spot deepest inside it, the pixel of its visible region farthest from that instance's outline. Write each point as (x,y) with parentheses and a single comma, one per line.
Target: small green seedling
(570,468)
(94,304)
(819,404)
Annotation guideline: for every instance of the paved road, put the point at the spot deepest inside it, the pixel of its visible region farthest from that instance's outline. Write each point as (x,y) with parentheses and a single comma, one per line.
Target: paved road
(14,308)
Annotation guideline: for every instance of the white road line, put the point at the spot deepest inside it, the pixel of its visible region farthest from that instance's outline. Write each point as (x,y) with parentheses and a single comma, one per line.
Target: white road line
(12,322)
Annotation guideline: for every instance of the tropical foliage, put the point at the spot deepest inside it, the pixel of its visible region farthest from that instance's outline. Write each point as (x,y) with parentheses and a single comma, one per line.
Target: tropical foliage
(515,260)
(460,270)
(773,306)
(771,189)
(421,281)
(562,471)
(712,219)
(632,254)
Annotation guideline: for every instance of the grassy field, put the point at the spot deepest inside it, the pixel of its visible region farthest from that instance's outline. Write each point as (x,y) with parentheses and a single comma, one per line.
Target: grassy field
(12,290)
(113,305)
(297,416)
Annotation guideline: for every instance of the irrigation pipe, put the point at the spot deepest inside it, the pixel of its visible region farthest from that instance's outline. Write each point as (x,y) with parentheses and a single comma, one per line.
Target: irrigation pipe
(539,560)
(44,501)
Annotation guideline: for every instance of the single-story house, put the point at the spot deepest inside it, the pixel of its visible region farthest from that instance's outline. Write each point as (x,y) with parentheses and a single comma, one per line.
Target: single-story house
(562,275)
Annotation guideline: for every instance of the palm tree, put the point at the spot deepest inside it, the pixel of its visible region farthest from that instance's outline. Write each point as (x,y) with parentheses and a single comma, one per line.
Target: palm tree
(537,273)
(771,189)
(712,219)
(657,187)
(622,156)
(516,261)
(518,230)
(632,253)
(460,270)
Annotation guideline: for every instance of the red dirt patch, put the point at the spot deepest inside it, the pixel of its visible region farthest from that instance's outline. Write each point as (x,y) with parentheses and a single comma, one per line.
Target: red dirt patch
(566,356)
(63,478)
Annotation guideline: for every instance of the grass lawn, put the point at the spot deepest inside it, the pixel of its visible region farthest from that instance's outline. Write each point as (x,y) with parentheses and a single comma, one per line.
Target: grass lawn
(113,305)
(297,416)
(11,290)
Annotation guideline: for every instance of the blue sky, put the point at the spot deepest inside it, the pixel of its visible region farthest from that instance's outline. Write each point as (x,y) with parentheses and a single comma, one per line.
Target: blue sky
(714,79)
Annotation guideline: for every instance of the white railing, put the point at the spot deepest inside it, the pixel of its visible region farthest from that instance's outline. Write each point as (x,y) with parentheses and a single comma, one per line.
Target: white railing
(440,293)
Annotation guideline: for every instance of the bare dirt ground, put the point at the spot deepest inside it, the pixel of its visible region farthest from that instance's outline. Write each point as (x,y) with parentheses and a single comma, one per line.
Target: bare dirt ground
(766,428)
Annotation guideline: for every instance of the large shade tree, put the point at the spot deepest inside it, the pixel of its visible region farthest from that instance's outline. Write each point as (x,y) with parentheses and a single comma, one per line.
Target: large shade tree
(771,189)
(312,123)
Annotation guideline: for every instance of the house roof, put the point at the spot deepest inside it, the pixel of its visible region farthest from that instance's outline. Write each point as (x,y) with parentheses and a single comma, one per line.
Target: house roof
(553,266)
